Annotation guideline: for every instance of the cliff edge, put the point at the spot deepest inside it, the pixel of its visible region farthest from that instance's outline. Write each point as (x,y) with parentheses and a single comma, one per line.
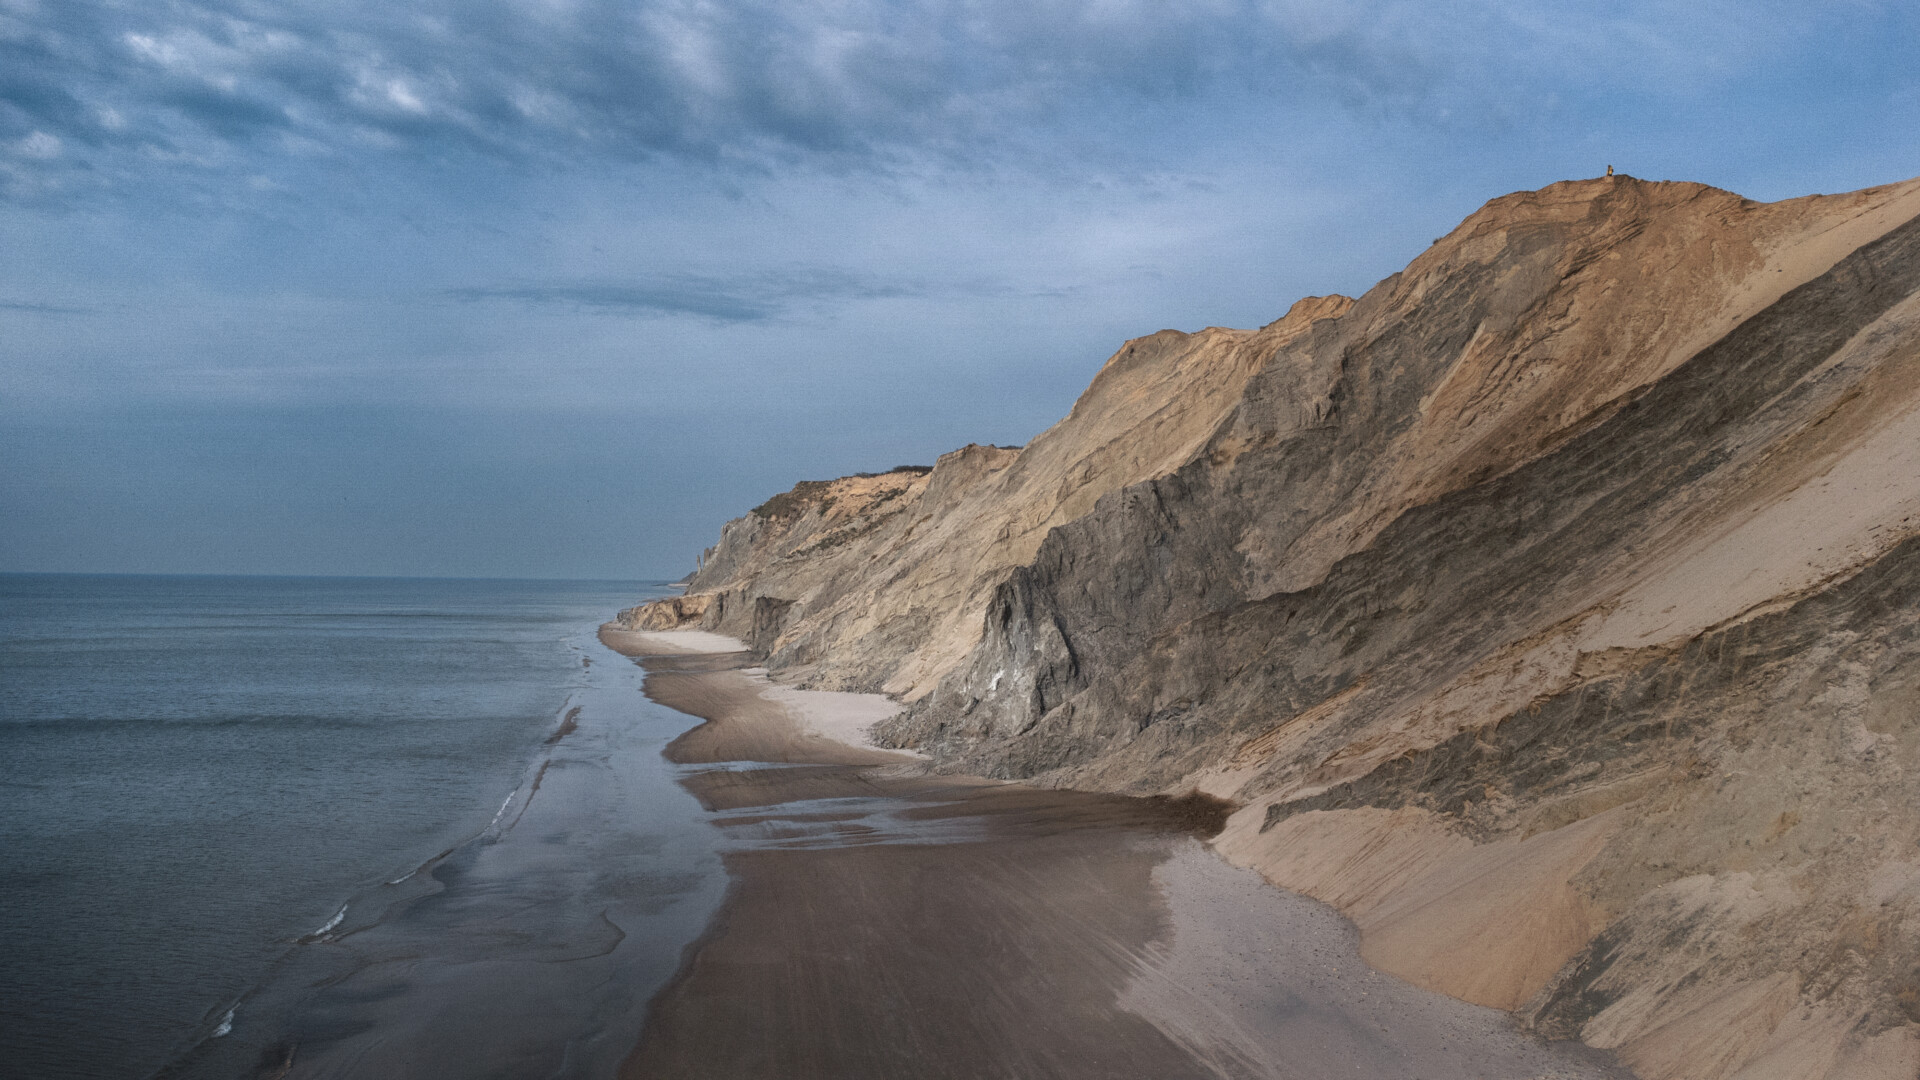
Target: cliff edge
(1553,610)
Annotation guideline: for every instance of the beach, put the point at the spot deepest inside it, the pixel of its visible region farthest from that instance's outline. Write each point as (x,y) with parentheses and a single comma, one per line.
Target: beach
(883,920)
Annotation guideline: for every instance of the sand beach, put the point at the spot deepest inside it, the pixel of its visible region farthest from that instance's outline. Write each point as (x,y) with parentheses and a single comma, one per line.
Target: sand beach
(886,921)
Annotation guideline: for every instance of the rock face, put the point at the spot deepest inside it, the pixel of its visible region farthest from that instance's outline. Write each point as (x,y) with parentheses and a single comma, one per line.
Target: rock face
(1553,610)
(880,581)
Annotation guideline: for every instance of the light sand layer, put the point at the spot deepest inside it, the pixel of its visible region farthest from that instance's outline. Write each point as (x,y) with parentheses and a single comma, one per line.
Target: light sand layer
(668,642)
(842,717)
(1488,924)
(1261,982)
(759,719)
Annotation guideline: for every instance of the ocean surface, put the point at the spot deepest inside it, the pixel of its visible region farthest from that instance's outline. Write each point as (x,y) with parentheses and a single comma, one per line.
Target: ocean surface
(374,826)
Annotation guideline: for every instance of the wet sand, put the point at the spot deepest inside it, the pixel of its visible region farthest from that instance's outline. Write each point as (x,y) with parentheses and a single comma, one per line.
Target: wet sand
(886,922)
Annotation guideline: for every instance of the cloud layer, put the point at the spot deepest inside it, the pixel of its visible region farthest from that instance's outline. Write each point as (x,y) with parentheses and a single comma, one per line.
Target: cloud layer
(733,298)
(97,94)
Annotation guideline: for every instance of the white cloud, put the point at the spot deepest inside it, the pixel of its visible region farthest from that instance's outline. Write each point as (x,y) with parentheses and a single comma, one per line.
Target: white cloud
(40,145)
(915,86)
(402,95)
(148,47)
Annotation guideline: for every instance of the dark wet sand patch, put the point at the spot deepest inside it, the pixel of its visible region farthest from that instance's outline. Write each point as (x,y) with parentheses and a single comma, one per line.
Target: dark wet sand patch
(995,959)
(978,929)
(568,726)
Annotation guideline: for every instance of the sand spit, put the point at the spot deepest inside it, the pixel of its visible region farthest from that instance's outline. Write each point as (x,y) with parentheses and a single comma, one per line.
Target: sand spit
(761,720)
(886,922)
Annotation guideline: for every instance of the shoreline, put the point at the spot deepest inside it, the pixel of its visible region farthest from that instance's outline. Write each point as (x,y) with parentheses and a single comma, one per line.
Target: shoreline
(524,942)
(882,920)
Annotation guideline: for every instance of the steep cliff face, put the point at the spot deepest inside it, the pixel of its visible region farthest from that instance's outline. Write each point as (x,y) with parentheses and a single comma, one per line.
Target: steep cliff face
(883,582)
(1553,609)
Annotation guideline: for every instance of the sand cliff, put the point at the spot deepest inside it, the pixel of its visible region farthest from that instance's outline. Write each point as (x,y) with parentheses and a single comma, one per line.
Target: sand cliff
(1553,610)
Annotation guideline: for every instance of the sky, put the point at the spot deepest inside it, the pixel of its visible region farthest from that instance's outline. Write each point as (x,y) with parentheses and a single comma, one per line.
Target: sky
(553,288)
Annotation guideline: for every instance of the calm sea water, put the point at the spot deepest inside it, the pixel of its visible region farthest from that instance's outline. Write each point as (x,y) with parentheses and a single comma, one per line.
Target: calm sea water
(244,818)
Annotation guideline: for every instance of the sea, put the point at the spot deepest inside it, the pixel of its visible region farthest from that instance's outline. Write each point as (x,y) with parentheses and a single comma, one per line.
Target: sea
(353,827)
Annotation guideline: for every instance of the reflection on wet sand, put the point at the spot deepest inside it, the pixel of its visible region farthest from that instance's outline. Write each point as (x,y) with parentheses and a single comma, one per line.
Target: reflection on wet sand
(888,922)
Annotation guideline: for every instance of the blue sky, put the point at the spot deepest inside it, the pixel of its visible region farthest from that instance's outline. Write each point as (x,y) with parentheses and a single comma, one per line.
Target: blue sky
(554,287)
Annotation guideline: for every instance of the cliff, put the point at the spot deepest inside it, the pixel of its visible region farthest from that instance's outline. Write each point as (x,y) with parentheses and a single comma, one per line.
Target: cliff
(1553,610)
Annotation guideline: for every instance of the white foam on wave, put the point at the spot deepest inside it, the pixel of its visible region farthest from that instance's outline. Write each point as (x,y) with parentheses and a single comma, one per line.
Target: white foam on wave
(500,813)
(226,1022)
(331,923)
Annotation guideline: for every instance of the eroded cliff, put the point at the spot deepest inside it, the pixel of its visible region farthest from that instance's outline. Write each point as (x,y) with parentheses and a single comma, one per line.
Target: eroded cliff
(1553,610)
